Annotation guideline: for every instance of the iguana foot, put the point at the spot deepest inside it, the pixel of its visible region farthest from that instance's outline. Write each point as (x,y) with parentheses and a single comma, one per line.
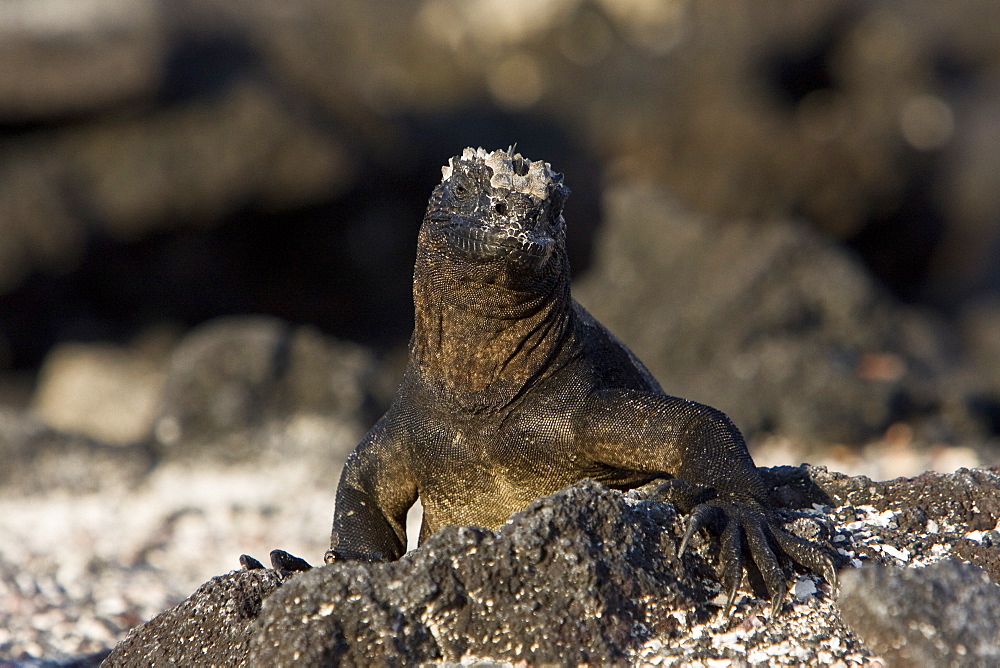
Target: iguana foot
(744,529)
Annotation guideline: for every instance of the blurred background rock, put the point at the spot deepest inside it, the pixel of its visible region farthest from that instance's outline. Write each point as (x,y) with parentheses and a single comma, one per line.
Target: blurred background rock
(208,212)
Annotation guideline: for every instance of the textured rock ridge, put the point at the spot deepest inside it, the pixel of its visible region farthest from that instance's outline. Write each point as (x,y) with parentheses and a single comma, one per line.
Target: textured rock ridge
(572,579)
(944,614)
(590,575)
(210,628)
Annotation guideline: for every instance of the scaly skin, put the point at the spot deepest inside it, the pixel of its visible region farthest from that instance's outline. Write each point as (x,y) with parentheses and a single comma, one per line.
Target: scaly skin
(513,391)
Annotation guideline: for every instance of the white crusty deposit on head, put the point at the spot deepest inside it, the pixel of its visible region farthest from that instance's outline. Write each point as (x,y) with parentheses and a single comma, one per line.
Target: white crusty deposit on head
(506,166)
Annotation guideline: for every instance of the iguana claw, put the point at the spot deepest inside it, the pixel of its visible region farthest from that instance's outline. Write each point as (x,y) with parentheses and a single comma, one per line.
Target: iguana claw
(283,561)
(249,563)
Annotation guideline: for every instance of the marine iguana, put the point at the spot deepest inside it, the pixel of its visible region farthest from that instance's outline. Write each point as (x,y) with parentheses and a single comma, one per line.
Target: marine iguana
(513,391)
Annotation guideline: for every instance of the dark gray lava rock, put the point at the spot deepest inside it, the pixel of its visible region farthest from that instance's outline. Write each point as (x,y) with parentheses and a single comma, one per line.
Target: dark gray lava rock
(211,628)
(943,615)
(232,375)
(589,575)
(571,580)
(770,322)
(967,496)
(222,378)
(931,515)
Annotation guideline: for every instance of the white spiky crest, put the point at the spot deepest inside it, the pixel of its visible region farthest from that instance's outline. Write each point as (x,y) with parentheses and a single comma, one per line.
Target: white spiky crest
(536,182)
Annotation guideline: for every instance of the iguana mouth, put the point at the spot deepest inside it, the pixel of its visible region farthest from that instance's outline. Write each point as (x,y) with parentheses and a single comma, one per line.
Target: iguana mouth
(479,242)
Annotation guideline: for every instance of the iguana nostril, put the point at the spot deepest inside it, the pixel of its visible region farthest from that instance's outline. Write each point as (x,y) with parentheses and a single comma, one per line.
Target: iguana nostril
(501,208)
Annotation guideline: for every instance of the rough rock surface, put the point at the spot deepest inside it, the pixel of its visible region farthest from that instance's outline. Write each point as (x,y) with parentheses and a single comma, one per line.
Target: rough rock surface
(944,614)
(771,322)
(470,593)
(928,517)
(230,376)
(210,628)
(593,566)
(223,166)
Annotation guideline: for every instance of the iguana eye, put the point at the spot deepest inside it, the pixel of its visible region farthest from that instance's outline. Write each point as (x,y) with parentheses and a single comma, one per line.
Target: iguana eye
(460,189)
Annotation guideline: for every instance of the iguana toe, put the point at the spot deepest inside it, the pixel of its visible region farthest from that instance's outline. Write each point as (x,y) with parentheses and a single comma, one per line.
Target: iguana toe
(808,554)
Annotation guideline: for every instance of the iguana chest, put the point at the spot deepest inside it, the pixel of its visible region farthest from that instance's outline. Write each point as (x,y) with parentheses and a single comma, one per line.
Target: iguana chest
(473,470)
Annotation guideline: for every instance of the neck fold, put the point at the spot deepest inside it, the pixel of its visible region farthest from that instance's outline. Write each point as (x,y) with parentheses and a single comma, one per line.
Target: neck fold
(482,345)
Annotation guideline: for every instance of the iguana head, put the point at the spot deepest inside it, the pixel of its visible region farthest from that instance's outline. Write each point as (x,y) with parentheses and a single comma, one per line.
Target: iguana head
(497,214)
(491,288)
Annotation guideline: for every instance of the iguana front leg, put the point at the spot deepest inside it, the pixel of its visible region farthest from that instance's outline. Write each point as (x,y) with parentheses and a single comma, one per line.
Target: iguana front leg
(376,490)
(700,446)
